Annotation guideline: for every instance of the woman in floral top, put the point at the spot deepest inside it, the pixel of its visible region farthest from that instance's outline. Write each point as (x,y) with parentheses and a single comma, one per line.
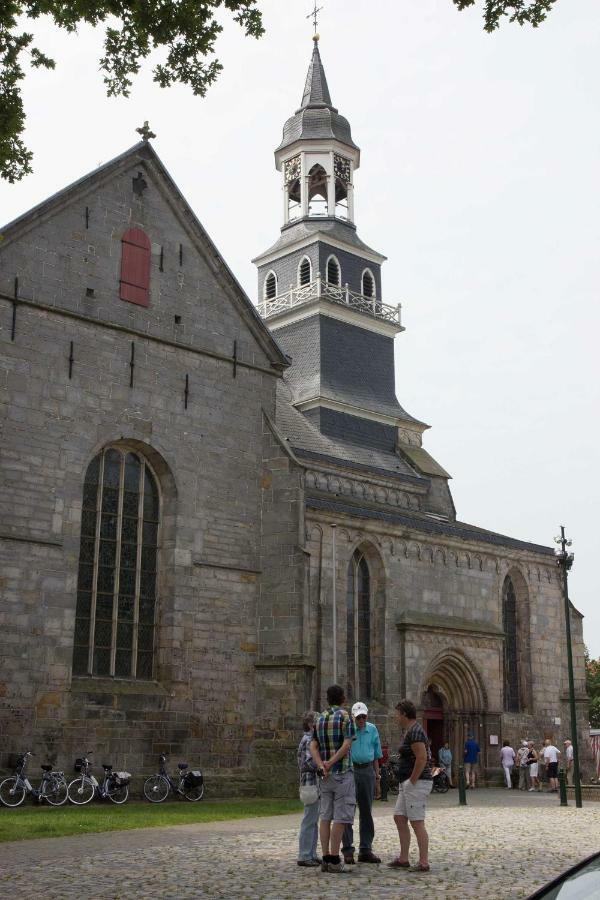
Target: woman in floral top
(309,827)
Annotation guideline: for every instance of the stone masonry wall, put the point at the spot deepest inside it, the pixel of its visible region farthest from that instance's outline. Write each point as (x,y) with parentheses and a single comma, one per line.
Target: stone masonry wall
(207,459)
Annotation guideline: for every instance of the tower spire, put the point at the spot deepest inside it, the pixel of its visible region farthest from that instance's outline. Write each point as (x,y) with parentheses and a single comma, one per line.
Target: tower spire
(316,91)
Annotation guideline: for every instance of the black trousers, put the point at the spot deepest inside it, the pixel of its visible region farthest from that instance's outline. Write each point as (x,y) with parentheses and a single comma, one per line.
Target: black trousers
(364,781)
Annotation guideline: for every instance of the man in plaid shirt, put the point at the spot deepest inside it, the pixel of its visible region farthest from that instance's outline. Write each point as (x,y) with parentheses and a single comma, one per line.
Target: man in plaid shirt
(330,747)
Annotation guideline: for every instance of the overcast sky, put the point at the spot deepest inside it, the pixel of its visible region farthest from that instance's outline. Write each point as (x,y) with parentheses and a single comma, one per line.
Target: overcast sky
(479,181)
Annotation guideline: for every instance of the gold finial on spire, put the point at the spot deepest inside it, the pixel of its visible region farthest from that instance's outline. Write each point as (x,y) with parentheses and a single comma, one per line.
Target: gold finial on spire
(145,132)
(314,16)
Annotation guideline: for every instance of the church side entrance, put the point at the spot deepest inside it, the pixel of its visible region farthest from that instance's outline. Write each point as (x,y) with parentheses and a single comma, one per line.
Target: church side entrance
(434,721)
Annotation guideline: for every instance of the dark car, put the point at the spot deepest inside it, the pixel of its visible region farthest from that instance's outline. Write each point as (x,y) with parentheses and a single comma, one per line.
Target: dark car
(579,883)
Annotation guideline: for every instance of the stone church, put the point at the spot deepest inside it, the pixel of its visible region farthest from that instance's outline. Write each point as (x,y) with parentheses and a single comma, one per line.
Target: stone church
(210,510)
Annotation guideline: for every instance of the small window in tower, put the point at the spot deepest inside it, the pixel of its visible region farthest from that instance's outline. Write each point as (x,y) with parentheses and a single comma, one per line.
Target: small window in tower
(305,271)
(368,284)
(271,286)
(333,271)
(317,191)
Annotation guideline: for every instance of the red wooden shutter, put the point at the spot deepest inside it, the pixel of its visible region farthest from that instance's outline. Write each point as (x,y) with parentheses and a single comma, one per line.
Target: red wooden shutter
(135,267)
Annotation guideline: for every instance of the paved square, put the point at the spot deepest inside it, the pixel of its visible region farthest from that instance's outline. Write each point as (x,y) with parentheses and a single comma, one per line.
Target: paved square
(503,845)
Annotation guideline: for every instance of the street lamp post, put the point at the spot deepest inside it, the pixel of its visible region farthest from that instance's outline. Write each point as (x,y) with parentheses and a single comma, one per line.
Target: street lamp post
(564,561)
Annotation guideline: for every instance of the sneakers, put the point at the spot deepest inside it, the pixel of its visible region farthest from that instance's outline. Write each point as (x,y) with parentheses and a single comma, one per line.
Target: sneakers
(332,864)
(310,863)
(367,856)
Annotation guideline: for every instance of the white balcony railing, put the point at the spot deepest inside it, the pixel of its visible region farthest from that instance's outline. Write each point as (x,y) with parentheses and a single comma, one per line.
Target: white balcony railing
(321,289)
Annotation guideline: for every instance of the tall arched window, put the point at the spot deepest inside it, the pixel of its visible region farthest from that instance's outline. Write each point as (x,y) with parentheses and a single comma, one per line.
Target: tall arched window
(368,284)
(358,628)
(305,271)
(317,191)
(511,648)
(334,275)
(270,286)
(116,588)
(135,267)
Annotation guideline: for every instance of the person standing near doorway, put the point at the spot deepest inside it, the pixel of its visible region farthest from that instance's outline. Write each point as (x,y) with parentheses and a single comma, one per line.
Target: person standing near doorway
(569,762)
(445,760)
(472,751)
(507,761)
(532,761)
(415,783)
(551,754)
(523,763)
(366,753)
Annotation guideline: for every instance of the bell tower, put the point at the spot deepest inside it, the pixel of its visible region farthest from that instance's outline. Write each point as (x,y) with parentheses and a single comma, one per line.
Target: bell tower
(320,285)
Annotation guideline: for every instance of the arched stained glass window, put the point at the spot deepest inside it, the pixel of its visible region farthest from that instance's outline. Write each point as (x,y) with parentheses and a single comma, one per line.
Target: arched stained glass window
(116,588)
(358,628)
(304,271)
(511,656)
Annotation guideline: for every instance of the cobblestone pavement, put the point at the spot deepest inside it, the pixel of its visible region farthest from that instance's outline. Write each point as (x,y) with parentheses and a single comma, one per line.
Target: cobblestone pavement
(502,844)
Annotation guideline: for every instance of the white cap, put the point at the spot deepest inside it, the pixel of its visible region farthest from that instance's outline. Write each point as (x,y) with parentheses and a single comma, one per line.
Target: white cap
(359,709)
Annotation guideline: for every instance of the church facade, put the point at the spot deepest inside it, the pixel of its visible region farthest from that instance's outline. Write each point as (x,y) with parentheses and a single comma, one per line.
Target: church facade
(211,510)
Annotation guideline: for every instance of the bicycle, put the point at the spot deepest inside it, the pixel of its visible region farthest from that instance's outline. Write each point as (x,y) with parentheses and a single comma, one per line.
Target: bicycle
(53,785)
(114,785)
(190,784)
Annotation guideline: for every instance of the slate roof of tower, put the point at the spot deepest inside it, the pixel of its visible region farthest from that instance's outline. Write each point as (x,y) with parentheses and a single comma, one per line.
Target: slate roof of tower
(306,439)
(316,118)
(322,229)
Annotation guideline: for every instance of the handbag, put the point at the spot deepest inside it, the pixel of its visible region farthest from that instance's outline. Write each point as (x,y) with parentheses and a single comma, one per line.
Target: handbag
(309,794)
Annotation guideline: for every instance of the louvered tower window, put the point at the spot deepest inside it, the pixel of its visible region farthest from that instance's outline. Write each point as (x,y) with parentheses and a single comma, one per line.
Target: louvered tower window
(270,286)
(333,271)
(368,284)
(135,267)
(358,628)
(305,271)
(116,588)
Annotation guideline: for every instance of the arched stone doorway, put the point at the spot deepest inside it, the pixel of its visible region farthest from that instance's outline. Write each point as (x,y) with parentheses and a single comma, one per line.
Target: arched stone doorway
(454,704)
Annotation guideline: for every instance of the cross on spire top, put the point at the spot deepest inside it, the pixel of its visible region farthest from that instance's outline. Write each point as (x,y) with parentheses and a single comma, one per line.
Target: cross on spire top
(145,132)
(314,16)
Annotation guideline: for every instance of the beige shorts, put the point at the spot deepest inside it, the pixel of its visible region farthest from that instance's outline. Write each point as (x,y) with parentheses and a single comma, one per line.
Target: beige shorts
(337,798)
(412,799)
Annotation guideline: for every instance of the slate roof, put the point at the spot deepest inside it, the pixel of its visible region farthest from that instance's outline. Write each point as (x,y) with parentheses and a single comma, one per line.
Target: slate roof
(306,440)
(316,118)
(319,229)
(429,525)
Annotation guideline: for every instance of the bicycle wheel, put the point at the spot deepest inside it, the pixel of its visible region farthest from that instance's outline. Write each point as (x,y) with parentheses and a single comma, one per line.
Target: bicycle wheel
(194,793)
(12,791)
(80,791)
(156,788)
(118,793)
(55,791)
(443,784)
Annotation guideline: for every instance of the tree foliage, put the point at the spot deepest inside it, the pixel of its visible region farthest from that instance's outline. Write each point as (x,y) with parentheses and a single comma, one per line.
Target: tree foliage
(185,30)
(592,680)
(525,12)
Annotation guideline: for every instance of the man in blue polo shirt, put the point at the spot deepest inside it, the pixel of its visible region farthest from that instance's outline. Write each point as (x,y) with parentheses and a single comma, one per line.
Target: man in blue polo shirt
(366,753)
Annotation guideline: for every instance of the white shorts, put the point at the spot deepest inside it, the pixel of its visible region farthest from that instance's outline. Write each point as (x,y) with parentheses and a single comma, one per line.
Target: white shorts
(533,770)
(412,798)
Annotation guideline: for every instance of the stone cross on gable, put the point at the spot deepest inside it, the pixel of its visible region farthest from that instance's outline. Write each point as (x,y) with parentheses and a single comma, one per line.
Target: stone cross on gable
(145,131)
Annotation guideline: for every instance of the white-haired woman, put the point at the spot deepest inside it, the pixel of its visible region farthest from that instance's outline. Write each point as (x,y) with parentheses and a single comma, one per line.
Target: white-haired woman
(309,795)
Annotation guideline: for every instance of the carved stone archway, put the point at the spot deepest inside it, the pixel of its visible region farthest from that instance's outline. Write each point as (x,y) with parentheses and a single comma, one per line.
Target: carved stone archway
(453,678)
